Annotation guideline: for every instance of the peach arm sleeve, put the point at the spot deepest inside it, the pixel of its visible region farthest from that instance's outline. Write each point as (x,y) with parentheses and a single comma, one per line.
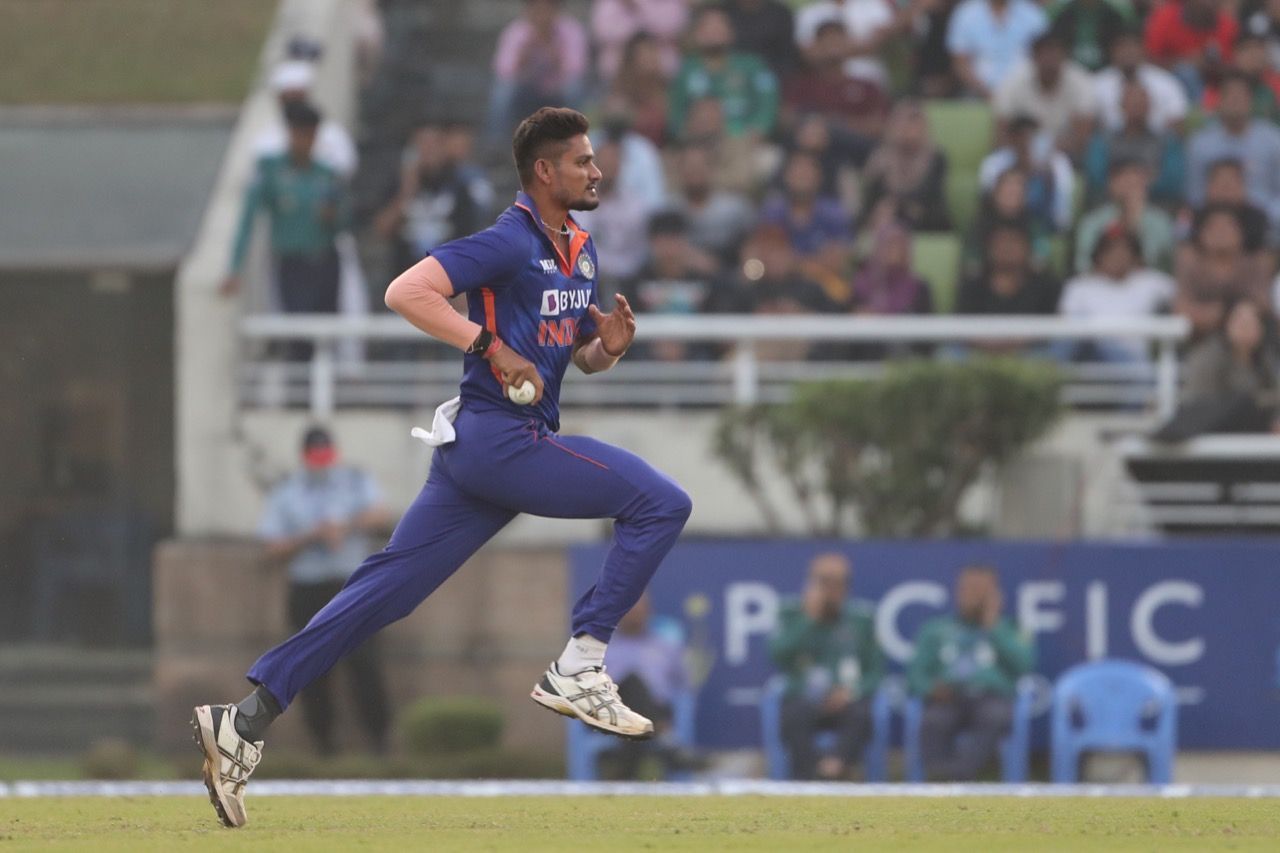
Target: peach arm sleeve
(421,294)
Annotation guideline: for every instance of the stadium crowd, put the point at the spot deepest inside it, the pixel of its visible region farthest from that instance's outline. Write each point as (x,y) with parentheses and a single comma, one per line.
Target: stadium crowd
(1083,157)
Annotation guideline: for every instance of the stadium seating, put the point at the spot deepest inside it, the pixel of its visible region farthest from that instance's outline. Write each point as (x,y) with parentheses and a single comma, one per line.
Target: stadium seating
(964,130)
(1113,706)
(1015,749)
(584,745)
(875,759)
(936,259)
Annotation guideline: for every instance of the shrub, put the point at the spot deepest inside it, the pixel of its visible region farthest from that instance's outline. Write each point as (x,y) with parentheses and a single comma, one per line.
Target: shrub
(450,725)
(897,452)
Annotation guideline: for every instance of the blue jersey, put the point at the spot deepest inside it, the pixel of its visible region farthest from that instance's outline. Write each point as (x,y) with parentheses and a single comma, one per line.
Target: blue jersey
(523,289)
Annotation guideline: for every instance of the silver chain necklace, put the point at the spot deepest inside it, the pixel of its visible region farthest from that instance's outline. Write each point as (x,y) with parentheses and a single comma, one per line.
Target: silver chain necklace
(564,229)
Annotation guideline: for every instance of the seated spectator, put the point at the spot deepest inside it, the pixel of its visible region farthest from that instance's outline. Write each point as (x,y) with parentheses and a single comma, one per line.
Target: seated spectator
(1117,285)
(640,166)
(1128,188)
(619,221)
(932,71)
(886,284)
(738,163)
(614,23)
(1191,38)
(1006,203)
(1230,378)
(1251,60)
(741,82)
(1239,136)
(640,88)
(1087,27)
(1055,91)
(771,280)
(809,217)
(865,27)
(308,207)
(1008,283)
(718,220)
(905,178)
(1161,153)
(1265,22)
(766,28)
(322,519)
(1050,178)
(541,60)
(437,201)
(1213,268)
(988,38)
(649,669)
(966,668)
(678,278)
(826,647)
(1225,188)
(838,152)
(292,81)
(824,88)
(1129,63)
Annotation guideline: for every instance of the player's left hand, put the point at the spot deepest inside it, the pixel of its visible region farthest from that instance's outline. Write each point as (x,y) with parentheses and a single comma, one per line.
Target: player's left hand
(617,329)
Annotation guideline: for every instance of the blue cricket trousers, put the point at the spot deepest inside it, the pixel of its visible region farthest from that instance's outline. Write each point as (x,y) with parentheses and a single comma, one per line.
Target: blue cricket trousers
(499,466)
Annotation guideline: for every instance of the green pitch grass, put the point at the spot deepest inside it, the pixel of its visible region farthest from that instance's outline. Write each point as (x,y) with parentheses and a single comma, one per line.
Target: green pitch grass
(644,823)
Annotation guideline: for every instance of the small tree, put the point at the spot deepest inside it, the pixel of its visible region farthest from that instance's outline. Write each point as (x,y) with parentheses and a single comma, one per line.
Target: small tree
(899,451)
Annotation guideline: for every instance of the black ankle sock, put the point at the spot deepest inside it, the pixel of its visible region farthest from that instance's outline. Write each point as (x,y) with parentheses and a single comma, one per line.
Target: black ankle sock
(256,711)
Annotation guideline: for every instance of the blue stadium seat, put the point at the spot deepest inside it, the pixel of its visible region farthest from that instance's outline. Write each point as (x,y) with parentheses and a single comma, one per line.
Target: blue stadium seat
(1015,749)
(1114,706)
(875,760)
(584,745)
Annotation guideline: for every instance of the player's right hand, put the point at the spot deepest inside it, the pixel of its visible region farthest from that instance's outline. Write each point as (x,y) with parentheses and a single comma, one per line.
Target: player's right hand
(515,370)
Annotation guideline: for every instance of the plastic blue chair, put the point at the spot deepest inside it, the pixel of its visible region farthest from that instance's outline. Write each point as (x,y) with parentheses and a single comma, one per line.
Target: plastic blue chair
(1015,749)
(1114,706)
(584,744)
(875,758)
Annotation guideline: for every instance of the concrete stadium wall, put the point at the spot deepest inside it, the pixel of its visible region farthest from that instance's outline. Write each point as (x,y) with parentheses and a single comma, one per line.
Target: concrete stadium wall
(490,630)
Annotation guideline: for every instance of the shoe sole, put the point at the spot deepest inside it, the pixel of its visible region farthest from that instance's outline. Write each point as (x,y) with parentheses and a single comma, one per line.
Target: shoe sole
(565,708)
(202,723)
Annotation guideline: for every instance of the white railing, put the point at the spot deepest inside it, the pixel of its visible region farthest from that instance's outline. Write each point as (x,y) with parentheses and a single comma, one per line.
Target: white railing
(744,377)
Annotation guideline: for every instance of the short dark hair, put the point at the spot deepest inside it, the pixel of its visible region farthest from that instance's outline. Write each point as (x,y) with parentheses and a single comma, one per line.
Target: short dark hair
(1116,233)
(1124,163)
(547,127)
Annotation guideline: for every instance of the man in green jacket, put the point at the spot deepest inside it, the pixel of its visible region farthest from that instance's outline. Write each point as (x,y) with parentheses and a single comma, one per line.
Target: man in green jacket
(826,647)
(741,82)
(966,667)
(307,205)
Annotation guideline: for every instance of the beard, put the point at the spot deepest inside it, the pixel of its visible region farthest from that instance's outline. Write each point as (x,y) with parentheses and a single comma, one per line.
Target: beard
(585,202)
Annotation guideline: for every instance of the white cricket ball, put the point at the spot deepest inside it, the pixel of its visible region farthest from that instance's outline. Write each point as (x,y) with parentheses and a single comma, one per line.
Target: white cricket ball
(523,395)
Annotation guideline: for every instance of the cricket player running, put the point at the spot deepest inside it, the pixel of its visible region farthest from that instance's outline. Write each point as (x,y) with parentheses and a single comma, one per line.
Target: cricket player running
(530,282)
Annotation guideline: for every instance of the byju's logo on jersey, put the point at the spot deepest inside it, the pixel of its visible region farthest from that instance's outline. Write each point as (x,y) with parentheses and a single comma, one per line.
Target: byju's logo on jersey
(555,301)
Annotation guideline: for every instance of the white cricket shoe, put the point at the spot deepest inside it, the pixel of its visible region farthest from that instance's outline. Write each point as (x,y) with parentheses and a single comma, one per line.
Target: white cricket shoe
(592,697)
(228,760)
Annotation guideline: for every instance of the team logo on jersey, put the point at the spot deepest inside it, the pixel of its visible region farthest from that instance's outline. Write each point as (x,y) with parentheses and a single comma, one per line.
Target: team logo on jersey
(548,265)
(585,266)
(556,301)
(550,303)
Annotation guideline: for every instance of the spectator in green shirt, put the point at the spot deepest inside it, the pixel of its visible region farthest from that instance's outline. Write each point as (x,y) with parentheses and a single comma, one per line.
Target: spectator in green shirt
(826,647)
(966,667)
(745,87)
(307,206)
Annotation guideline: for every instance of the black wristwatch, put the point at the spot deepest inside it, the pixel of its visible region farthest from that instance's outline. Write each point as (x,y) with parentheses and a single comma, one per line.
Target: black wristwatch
(480,346)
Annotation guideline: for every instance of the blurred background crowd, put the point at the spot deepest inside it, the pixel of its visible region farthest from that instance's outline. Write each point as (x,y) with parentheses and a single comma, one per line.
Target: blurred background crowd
(1094,158)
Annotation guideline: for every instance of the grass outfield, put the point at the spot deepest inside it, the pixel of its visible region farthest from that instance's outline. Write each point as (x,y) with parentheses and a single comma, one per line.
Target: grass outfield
(643,823)
(129,51)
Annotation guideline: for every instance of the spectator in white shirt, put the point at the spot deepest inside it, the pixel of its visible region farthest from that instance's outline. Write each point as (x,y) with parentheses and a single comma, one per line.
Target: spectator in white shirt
(868,24)
(1056,91)
(1129,62)
(987,39)
(292,80)
(1050,178)
(1118,285)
